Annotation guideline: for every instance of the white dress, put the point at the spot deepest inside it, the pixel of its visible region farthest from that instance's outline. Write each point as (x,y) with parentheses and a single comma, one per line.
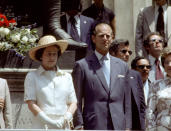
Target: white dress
(53,91)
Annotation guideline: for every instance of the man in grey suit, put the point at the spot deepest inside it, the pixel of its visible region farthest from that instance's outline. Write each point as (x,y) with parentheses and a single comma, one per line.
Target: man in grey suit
(100,80)
(147,22)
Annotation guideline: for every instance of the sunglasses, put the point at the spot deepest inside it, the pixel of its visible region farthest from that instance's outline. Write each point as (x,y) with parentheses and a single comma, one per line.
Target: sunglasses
(143,66)
(155,40)
(125,51)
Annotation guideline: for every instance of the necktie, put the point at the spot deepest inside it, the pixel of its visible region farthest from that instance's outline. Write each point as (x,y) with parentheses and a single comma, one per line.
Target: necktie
(160,22)
(106,69)
(73,31)
(159,74)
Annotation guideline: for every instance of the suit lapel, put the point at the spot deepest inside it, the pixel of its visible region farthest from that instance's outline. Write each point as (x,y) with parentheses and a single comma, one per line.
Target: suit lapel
(98,70)
(150,16)
(82,27)
(133,83)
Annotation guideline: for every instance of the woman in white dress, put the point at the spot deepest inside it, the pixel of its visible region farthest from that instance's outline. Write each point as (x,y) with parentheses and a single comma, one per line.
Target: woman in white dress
(49,91)
(158,115)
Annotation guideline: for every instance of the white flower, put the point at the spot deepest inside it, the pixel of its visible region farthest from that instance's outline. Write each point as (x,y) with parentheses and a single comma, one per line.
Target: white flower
(6,31)
(32,40)
(27,30)
(12,38)
(7,45)
(15,37)
(2,44)
(1,29)
(24,39)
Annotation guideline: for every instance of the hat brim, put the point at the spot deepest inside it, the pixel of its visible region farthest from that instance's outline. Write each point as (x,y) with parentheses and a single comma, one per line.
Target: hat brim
(63,44)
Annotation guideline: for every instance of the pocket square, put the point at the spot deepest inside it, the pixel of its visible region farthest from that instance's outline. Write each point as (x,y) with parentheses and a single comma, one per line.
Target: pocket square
(85,22)
(131,77)
(121,76)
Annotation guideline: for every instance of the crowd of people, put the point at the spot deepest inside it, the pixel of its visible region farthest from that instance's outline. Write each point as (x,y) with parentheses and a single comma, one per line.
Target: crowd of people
(102,92)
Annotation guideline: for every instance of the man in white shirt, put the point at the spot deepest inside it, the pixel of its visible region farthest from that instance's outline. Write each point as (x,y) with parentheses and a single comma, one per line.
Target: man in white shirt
(154,44)
(147,22)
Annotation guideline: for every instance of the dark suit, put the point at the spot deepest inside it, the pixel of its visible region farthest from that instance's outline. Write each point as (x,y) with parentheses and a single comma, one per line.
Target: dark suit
(138,102)
(104,107)
(85,34)
(85,28)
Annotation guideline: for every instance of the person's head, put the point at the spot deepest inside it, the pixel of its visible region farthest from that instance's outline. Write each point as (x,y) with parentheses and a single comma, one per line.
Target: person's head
(166,60)
(154,44)
(98,3)
(48,51)
(160,2)
(102,37)
(142,65)
(71,7)
(120,48)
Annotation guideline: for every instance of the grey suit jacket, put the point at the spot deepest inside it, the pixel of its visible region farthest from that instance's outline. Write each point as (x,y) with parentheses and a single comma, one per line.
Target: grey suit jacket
(145,25)
(6,112)
(102,104)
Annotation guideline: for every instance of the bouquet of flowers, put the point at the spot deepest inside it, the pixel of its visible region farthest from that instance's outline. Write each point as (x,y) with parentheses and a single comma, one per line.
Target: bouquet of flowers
(18,39)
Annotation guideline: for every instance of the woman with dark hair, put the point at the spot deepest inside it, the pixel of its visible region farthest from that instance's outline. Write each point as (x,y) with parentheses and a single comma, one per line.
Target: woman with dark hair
(49,91)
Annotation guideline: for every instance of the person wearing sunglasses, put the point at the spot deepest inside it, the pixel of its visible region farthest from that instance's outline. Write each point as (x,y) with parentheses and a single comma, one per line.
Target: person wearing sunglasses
(154,44)
(158,111)
(120,49)
(142,65)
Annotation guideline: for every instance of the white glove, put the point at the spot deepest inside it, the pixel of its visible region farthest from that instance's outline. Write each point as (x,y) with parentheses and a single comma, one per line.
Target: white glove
(48,121)
(68,116)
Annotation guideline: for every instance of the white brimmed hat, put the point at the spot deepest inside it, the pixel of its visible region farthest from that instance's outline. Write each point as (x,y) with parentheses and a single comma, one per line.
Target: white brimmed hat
(46,41)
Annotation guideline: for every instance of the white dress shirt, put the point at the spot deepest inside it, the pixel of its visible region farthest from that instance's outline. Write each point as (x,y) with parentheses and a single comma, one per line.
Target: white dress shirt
(146,90)
(77,25)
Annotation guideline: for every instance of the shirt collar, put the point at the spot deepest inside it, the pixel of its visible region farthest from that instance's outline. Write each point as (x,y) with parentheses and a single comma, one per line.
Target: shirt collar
(152,59)
(77,17)
(41,70)
(99,56)
(157,7)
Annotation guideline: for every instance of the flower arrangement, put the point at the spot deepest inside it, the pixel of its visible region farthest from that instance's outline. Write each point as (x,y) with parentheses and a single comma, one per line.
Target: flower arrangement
(18,39)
